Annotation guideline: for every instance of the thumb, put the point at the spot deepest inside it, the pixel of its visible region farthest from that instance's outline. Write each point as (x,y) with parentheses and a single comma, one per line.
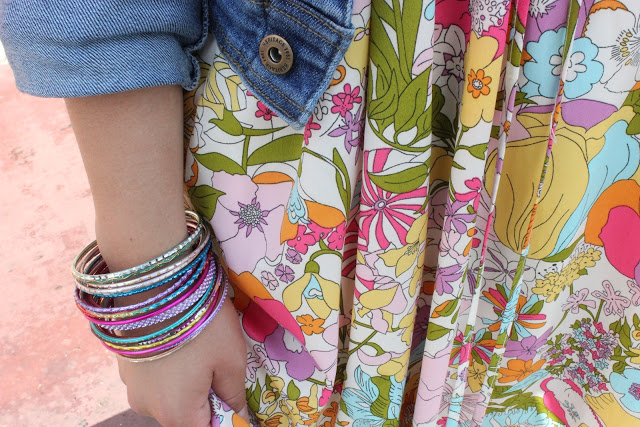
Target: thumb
(230,389)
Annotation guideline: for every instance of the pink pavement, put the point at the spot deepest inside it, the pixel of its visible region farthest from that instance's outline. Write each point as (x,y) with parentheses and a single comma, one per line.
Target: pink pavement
(53,372)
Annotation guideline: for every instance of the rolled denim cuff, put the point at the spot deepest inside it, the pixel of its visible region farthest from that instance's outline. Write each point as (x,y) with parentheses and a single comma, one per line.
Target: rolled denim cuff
(89,52)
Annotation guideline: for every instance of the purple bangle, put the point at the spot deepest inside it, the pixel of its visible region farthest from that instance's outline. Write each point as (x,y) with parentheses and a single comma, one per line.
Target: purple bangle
(110,310)
(169,311)
(186,294)
(206,319)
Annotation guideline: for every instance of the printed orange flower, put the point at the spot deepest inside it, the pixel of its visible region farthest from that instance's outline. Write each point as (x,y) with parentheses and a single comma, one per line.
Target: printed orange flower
(478,83)
(517,370)
(309,325)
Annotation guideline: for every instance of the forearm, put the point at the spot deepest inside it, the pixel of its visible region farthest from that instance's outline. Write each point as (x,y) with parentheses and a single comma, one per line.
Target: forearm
(131,145)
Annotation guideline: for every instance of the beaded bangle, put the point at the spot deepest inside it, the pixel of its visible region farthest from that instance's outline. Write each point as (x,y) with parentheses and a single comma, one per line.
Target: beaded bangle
(176,251)
(172,347)
(104,335)
(167,312)
(178,332)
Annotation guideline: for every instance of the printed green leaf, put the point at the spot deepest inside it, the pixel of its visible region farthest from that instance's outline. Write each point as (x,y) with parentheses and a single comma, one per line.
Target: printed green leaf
(283,149)
(565,253)
(634,125)
(205,199)
(403,181)
(412,103)
(342,180)
(218,162)
(476,151)
(436,331)
(293,391)
(380,407)
(521,98)
(442,127)
(228,124)
(386,104)
(515,55)
(260,132)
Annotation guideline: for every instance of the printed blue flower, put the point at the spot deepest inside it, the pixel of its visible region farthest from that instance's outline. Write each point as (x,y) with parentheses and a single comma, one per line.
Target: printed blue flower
(545,68)
(627,384)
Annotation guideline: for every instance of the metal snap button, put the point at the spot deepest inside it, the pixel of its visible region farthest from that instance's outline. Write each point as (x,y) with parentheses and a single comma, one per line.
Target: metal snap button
(276,54)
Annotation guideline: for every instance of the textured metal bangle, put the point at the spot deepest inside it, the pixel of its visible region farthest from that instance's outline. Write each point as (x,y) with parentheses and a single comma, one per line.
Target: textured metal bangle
(193,220)
(147,282)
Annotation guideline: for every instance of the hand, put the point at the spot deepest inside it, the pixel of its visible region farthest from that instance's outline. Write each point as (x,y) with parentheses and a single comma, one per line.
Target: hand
(174,389)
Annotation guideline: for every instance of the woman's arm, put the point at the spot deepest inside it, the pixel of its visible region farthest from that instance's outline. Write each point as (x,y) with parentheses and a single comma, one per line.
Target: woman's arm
(131,145)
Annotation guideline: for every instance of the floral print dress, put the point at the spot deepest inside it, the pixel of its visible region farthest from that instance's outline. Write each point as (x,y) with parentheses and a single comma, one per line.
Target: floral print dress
(453,239)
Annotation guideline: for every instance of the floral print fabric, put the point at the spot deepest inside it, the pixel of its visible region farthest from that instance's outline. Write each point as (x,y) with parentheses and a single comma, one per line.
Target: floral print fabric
(453,238)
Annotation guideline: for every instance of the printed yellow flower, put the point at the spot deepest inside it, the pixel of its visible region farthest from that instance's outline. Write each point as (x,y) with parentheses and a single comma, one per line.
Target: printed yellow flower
(568,182)
(476,374)
(321,294)
(553,282)
(292,412)
(411,254)
(309,325)
(396,366)
(478,83)
(483,74)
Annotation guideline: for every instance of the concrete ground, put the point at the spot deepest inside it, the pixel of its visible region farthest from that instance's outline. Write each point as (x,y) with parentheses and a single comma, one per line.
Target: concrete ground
(53,372)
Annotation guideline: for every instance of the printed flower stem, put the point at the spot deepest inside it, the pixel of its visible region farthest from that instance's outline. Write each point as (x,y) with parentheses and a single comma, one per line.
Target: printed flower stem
(366,340)
(245,152)
(599,310)
(324,252)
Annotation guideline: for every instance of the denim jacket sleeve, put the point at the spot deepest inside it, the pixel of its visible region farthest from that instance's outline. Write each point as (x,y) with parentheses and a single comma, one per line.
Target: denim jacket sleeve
(69,48)
(80,48)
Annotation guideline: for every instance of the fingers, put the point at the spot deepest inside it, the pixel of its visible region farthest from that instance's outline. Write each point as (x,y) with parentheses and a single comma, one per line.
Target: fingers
(170,413)
(229,374)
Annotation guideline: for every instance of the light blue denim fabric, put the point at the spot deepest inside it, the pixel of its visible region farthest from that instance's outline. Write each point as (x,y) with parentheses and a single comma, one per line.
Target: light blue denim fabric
(70,48)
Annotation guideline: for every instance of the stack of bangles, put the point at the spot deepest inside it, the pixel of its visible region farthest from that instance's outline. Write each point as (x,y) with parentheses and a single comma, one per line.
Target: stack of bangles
(196,288)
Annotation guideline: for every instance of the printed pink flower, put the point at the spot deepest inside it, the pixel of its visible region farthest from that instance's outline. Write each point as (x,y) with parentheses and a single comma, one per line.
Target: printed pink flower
(336,238)
(317,231)
(475,185)
(576,299)
(384,213)
(265,112)
(620,236)
(344,101)
(302,241)
(311,125)
(613,301)
(247,219)
(635,292)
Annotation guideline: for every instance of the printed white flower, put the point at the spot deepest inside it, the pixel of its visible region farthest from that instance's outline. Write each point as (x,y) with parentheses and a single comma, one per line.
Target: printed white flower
(618,51)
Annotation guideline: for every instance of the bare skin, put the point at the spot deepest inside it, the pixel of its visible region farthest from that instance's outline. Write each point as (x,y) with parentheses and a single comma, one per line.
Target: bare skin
(131,145)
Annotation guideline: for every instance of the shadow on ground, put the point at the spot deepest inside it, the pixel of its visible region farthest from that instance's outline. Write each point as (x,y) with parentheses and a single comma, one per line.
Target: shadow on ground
(127,419)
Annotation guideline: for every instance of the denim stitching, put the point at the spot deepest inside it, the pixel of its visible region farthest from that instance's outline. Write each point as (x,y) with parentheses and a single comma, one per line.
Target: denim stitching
(322,20)
(300,108)
(315,15)
(307,27)
(268,5)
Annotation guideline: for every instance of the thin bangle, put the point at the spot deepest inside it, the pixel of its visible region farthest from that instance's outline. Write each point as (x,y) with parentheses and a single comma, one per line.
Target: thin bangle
(163,259)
